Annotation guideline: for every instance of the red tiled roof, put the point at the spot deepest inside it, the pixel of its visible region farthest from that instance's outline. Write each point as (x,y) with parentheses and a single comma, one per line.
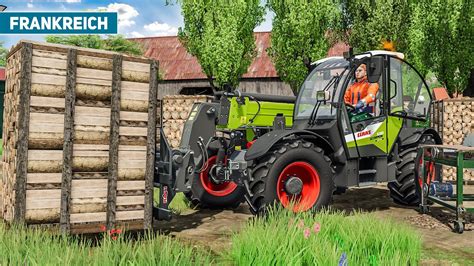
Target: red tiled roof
(2,73)
(177,64)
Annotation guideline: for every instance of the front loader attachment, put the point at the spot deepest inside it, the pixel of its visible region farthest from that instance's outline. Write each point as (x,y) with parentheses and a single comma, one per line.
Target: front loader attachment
(173,173)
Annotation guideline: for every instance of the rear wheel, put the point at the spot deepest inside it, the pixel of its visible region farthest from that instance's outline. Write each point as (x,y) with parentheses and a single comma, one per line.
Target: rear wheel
(296,174)
(406,189)
(206,193)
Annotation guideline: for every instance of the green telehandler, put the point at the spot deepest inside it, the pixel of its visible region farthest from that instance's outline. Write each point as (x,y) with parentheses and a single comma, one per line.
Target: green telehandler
(322,146)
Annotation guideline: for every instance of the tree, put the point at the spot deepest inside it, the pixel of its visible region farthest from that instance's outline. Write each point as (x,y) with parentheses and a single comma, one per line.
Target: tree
(441,38)
(220,35)
(299,36)
(3,55)
(116,43)
(367,24)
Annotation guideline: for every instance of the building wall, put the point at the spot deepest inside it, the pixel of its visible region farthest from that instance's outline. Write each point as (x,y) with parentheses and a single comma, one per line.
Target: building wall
(265,86)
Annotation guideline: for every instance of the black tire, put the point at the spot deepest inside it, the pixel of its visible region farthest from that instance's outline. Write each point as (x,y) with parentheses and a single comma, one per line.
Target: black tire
(405,190)
(200,198)
(268,168)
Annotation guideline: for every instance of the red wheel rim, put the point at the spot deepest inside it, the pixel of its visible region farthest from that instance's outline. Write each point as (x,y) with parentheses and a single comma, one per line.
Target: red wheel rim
(218,190)
(311,186)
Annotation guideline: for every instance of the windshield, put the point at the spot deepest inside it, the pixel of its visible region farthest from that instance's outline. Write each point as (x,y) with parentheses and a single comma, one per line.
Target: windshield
(327,73)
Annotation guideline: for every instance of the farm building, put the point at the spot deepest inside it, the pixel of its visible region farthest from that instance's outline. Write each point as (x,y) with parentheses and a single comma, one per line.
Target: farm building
(182,73)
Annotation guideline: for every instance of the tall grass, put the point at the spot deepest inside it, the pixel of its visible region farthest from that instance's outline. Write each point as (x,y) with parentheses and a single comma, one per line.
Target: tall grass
(325,238)
(20,246)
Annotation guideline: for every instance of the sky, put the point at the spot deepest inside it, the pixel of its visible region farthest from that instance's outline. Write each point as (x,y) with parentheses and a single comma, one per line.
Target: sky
(138,18)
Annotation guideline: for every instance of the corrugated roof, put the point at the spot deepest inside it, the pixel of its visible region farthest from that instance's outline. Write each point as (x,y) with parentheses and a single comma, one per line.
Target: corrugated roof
(177,64)
(2,73)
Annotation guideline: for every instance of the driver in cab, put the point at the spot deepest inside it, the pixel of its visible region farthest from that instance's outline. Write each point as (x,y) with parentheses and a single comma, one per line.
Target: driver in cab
(361,93)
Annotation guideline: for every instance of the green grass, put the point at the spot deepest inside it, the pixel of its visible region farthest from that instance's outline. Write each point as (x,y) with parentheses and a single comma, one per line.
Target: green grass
(364,239)
(19,246)
(277,240)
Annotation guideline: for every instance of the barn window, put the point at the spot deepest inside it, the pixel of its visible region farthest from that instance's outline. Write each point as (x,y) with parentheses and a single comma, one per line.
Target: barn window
(196,91)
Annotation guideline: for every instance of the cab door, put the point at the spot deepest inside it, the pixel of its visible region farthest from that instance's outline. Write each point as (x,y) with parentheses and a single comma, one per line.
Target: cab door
(369,127)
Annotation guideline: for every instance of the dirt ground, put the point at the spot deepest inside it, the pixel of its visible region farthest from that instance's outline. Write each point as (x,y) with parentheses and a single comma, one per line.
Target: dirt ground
(211,229)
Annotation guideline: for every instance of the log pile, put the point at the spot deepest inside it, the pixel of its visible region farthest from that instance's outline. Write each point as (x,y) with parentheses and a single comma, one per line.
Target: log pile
(176,109)
(79,138)
(454,119)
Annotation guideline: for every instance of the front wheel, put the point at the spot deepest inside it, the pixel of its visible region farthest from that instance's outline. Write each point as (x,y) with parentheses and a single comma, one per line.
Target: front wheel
(205,193)
(296,174)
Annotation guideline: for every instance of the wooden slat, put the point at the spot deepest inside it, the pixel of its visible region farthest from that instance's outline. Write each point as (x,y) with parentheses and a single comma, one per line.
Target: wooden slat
(93,81)
(89,183)
(49,54)
(94,74)
(92,111)
(130,185)
(22,142)
(44,194)
(39,101)
(49,62)
(78,193)
(130,200)
(134,66)
(135,86)
(135,95)
(114,140)
(134,131)
(65,224)
(130,215)
(43,178)
(35,203)
(88,217)
(133,116)
(151,146)
(48,79)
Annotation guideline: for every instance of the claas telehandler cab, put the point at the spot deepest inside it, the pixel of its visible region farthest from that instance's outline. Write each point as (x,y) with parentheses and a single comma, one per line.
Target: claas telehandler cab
(333,144)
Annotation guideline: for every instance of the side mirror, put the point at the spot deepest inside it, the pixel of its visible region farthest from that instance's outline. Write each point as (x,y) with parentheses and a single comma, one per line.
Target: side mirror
(322,96)
(374,69)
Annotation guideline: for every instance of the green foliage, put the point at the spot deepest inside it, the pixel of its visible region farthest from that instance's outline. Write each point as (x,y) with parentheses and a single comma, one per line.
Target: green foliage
(299,36)
(3,55)
(286,238)
(366,24)
(20,246)
(116,43)
(220,35)
(441,40)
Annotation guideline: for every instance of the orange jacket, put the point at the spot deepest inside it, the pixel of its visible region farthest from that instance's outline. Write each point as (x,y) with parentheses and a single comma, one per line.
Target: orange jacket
(361,90)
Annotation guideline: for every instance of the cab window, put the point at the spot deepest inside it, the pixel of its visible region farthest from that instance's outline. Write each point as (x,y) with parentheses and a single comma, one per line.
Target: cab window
(409,95)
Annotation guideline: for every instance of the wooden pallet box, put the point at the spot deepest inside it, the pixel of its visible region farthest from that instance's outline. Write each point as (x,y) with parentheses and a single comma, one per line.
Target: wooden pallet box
(79,138)
(453,119)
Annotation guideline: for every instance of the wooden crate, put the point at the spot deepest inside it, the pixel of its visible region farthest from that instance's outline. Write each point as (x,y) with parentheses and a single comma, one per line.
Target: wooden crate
(176,109)
(453,119)
(79,138)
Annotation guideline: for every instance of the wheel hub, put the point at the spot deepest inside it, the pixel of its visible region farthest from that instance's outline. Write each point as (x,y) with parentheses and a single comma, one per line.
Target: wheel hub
(294,185)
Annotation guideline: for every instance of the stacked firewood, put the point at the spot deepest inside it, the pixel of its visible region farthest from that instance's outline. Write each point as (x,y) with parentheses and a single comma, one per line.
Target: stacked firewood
(454,119)
(176,109)
(78,125)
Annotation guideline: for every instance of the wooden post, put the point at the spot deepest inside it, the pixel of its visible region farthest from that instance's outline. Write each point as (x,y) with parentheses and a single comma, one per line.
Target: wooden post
(151,143)
(22,144)
(70,101)
(114,140)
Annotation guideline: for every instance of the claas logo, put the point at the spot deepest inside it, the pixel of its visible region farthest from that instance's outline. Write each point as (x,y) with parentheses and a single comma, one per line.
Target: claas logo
(364,133)
(2,8)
